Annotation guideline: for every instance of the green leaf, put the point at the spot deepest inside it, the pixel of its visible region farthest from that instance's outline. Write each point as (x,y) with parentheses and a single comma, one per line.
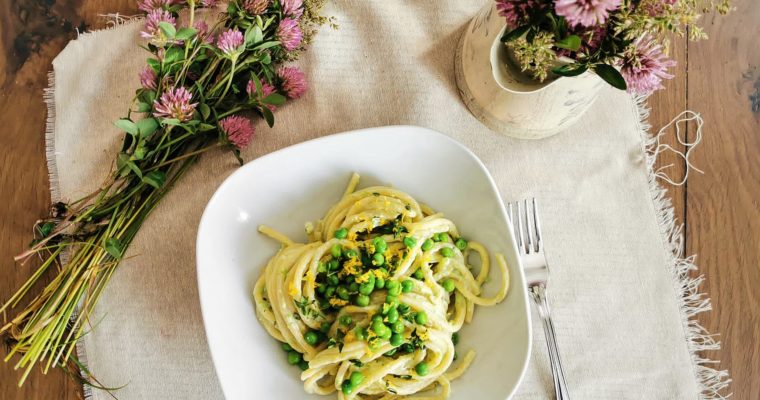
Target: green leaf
(143,107)
(253,33)
(170,121)
(168,29)
(154,64)
(206,127)
(185,33)
(232,8)
(266,59)
(570,69)
(572,43)
(114,247)
(174,54)
(127,126)
(514,33)
(268,116)
(155,179)
(148,96)
(274,99)
(267,45)
(147,126)
(257,84)
(205,110)
(45,229)
(611,76)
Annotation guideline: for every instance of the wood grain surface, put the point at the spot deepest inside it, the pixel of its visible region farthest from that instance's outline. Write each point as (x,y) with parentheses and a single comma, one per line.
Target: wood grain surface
(720,78)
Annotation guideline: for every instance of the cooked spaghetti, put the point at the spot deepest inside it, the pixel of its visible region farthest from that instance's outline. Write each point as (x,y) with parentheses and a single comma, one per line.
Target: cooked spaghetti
(371,306)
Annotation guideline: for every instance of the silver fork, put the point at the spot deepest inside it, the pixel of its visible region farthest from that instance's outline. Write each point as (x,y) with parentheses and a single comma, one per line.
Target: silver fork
(528,235)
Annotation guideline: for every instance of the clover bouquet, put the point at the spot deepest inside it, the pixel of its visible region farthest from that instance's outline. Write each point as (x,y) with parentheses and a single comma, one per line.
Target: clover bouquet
(201,87)
(625,42)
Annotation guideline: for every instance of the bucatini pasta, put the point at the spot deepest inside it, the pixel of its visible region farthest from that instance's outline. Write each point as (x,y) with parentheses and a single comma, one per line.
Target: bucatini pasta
(370,307)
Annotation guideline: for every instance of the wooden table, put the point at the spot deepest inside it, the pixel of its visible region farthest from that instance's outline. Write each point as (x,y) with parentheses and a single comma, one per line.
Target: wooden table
(719,78)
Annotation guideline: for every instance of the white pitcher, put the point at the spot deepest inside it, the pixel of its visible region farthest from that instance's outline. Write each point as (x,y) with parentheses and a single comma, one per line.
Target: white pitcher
(504,98)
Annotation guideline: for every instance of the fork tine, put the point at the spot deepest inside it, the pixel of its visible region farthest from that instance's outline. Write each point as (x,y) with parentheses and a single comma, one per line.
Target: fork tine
(537,226)
(517,223)
(528,233)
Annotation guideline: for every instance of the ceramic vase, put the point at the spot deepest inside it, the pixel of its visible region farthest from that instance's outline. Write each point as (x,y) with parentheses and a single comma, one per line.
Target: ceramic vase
(507,100)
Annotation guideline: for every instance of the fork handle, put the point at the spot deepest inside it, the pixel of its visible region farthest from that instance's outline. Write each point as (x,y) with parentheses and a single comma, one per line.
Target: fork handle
(538,293)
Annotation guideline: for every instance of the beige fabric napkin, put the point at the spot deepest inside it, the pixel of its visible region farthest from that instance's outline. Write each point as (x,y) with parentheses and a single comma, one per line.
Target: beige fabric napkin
(620,316)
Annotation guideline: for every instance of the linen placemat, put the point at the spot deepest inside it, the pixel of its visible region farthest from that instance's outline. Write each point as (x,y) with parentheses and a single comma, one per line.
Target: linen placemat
(621,299)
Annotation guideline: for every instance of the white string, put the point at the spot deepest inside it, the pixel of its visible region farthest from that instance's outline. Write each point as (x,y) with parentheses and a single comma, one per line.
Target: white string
(682,118)
(116,19)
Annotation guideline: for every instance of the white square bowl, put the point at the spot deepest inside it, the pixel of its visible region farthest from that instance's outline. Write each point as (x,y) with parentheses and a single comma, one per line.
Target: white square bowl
(300,183)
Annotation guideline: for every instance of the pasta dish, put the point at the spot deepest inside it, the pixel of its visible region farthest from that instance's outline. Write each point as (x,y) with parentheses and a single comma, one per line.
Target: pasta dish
(372,305)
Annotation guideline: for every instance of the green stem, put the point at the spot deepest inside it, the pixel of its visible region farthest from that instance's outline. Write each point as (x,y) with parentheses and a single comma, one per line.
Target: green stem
(182,157)
(230,112)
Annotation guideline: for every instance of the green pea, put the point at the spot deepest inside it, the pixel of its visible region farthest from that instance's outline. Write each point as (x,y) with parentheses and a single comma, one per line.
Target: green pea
(420,318)
(350,253)
(410,242)
(356,378)
(445,237)
(294,357)
(461,244)
(386,334)
(333,280)
(342,292)
(347,387)
(407,285)
(392,285)
(333,265)
(455,338)
(330,291)
(321,289)
(449,285)
(427,245)
(353,287)
(437,237)
(336,251)
(378,259)
(392,315)
(349,279)
(286,347)
(403,309)
(422,368)
(377,318)
(398,327)
(303,365)
(380,329)
(362,300)
(396,340)
(311,338)
(379,244)
(419,274)
(360,333)
(325,327)
(321,268)
(447,252)
(392,300)
(379,283)
(341,233)
(346,320)
(367,288)
(324,304)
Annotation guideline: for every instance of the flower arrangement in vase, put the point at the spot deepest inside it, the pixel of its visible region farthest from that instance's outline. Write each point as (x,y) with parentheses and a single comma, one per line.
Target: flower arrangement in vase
(542,52)
(625,42)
